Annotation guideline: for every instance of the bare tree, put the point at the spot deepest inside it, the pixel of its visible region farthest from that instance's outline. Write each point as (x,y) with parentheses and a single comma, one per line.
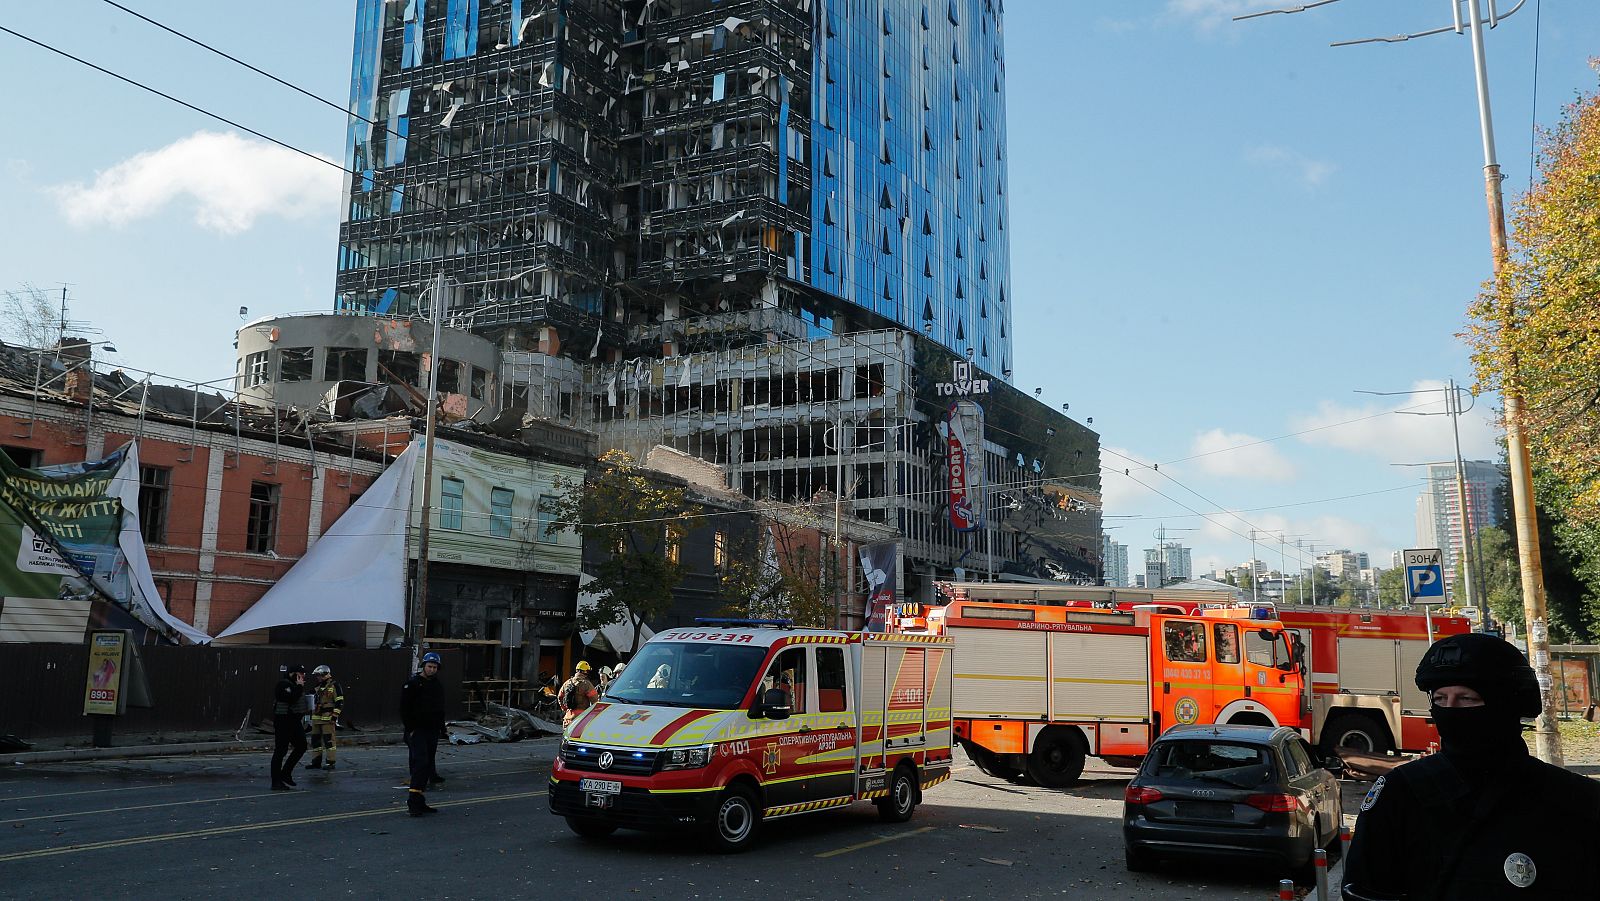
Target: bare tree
(29,317)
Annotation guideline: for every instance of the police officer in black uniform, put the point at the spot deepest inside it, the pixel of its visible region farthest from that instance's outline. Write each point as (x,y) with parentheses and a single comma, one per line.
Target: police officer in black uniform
(422,714)
(1482,819)
(287,730)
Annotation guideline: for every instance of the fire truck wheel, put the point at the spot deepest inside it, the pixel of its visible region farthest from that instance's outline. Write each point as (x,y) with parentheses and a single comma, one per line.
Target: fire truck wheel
(590,829)
(1357,733)
(901,802)
(734,828)
(992,764)
(1057,759)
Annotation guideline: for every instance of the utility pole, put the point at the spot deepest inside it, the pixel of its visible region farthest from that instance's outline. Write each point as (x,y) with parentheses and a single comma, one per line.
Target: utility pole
(1470,574)
(1547,741)
(419,593)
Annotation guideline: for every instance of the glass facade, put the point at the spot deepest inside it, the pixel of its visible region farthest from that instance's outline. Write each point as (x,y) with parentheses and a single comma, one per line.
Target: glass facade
(633,164)
(908,169)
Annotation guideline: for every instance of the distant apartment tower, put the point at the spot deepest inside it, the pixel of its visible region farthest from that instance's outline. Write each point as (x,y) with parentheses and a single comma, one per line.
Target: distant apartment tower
(1115,557)
(1176,560)
(1439,516)
(1344,564)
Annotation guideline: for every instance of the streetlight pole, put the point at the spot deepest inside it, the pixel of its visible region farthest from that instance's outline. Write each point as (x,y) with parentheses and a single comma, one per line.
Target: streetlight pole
(420,592)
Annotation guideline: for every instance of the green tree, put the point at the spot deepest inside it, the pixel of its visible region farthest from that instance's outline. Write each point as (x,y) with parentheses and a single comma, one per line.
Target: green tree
(1392,587)
(640,525)
(777,571)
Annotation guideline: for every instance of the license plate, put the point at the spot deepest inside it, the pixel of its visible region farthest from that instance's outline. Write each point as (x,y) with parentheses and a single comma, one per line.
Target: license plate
(1204,810)
(600,786)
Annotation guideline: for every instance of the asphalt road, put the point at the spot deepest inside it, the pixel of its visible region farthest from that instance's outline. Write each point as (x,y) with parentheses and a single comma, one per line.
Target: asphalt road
(208,827)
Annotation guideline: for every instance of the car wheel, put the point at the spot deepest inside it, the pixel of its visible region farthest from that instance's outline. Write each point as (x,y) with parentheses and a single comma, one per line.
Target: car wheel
(1057,759)
(1357,733)
(901,802)
(1137,860)
(593,830)
(733,829)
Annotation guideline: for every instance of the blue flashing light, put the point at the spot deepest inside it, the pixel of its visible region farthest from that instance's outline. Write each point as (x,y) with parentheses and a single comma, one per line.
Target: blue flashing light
(1261,611)
(747,623)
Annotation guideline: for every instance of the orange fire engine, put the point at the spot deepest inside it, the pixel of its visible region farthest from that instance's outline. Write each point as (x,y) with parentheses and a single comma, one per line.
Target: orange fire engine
(1039,687)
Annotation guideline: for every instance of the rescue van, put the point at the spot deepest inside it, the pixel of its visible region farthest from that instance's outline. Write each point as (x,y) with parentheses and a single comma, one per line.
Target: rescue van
(731,723)
(1040,687)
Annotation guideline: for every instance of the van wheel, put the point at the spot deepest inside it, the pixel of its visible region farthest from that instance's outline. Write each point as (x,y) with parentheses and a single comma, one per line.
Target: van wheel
(593,830)
(901,802)
(1057,759)
(1358,733)
(734,828)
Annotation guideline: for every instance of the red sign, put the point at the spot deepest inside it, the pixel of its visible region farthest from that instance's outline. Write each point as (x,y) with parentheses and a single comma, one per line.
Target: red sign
(964,429)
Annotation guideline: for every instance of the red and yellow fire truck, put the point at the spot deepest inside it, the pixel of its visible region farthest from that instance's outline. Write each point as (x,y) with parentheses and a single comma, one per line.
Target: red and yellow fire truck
(1040,687)
(1357,663)
(728,724)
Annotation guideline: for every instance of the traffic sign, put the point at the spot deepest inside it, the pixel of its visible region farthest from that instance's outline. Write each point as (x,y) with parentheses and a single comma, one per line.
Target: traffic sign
(1424,576)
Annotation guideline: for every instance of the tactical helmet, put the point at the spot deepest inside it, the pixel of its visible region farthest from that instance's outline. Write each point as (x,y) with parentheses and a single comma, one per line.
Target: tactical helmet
(1491,666)
(322,670)
(431,657)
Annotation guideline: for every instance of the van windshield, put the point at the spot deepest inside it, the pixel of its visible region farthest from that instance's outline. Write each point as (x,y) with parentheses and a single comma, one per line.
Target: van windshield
(685,674)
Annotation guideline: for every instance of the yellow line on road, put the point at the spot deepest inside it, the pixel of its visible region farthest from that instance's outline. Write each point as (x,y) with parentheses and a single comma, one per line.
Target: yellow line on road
(247,827)
(846,850)
(67,815)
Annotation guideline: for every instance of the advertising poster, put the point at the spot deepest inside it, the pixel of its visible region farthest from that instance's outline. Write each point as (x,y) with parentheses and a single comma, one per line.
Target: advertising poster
(878,566)
(102,691)
(964,464)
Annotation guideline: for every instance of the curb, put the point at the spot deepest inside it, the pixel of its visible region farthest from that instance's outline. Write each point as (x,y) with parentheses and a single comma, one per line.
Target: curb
(68,755)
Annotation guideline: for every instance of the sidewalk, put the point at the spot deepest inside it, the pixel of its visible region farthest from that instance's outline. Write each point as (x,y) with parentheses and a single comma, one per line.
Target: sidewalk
(135,746)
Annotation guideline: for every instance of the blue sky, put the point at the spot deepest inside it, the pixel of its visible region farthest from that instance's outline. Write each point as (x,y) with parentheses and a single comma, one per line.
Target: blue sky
(1220,230)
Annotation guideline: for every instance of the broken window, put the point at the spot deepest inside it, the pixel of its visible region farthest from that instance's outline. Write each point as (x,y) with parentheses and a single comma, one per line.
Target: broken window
(450,376)
(345,364)
(294,364)
(257,370)
(400,366)
(480,383)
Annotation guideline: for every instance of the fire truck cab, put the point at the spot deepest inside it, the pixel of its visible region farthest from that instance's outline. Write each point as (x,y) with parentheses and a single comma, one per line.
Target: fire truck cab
(723,726)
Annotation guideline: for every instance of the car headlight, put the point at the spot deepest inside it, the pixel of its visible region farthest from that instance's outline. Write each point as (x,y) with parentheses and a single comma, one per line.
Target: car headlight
(686,758)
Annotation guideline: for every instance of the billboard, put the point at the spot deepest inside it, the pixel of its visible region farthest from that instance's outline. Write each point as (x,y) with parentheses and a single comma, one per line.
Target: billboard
(879,565)
(964,465)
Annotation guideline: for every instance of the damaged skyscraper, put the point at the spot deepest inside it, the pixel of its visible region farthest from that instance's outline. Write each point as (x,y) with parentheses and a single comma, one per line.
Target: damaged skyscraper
(769,233)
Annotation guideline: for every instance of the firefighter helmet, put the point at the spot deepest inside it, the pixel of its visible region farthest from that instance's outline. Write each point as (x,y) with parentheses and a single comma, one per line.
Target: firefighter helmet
(322,670)
(1491,666)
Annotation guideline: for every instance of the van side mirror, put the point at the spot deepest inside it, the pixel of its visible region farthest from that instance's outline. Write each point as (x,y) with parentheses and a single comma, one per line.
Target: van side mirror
(775,704)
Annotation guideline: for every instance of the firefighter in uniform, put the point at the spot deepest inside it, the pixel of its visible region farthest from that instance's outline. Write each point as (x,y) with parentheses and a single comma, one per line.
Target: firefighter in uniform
(1483,819)
(422,714)
(577,693)
(327,705)
(287,732)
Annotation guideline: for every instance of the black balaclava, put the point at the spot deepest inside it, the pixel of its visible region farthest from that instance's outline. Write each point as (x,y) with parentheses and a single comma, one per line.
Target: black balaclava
(1477,737)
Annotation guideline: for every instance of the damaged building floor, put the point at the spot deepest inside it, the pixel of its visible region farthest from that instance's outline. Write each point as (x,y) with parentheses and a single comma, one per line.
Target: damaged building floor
(207,826)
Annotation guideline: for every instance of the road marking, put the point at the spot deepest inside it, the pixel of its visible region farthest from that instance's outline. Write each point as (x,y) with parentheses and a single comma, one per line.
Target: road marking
(67,815)
(248,827)
(846,850)
(90,791)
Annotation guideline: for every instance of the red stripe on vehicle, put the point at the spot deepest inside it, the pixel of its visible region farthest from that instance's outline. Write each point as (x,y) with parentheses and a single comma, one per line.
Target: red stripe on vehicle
(676,726)
(586,719)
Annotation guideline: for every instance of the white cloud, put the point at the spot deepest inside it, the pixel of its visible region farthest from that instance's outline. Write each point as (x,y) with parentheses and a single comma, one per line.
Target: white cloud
(1236,455)
(1207,15)
(1391,431)
(231,181)
(1309,171)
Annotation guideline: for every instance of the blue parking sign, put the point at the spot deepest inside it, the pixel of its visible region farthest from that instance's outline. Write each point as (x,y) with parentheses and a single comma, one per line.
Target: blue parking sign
(1425,576)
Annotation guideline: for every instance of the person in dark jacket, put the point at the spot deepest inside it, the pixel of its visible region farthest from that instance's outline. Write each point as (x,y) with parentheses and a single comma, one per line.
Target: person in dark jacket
(422,714)
(287,731)
(1482,819)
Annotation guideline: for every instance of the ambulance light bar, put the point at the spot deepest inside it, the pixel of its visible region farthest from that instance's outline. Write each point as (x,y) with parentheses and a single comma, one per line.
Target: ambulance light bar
(745,623)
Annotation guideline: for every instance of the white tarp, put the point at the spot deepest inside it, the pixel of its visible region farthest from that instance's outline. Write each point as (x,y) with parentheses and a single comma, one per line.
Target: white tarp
(356,572)
(617,637)
(125,488)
